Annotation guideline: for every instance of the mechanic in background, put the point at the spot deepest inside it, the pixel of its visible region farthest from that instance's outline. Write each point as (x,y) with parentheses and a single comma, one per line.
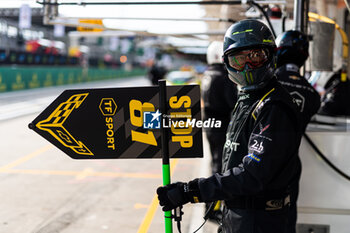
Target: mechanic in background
(219,96)
(292,52)
(156,72)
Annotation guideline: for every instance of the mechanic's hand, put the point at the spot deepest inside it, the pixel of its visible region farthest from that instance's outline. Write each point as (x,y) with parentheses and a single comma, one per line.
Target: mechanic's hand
(172,196)
(178,194)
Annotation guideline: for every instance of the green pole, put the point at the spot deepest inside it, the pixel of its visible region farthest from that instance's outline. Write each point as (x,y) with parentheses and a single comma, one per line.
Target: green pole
(167,214)
(165,150)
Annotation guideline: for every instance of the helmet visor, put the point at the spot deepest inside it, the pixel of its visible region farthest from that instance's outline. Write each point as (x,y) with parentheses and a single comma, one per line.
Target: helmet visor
(254,58)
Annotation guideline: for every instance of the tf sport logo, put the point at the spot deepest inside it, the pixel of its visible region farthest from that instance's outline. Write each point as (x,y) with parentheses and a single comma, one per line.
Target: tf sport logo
(151,120)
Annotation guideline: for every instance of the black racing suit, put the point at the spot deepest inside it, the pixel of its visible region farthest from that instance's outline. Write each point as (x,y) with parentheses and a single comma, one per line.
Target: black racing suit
(308,102)
(304,95)
(219,97)
(260,162)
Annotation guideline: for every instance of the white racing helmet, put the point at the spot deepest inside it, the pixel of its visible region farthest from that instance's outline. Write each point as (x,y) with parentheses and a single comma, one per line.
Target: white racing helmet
(215,52)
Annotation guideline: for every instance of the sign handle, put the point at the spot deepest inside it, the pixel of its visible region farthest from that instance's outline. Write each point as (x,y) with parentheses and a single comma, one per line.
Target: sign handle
(165,150)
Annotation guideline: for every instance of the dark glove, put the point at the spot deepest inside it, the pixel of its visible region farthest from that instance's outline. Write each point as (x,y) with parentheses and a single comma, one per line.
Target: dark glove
(178,194)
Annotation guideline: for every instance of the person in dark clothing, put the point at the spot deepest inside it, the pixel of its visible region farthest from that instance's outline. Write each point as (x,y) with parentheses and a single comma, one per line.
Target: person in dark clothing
(156,73)
(260,156)
(219,96)
(292,52)
(334,101)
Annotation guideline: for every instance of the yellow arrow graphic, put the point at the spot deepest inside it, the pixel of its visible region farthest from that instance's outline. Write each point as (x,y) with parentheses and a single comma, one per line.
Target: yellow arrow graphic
(54,124)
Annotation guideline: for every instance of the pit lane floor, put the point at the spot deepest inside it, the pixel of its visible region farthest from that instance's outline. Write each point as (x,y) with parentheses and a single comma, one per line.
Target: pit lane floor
(44,191)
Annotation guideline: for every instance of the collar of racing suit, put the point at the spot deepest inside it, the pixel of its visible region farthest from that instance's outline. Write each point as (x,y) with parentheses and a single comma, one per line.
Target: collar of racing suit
(290,67)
